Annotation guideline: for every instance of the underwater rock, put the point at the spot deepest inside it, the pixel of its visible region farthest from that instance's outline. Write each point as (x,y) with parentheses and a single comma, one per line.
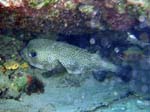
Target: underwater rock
(140,83)
(70,17)
(48,108)
(13,106)
(9,48)
(14,83)
(34,86)
(135,41)
(133,54)
(89,96)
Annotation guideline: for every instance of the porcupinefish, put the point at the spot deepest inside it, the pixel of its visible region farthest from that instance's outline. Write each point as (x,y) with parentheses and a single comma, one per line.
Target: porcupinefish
(49,55)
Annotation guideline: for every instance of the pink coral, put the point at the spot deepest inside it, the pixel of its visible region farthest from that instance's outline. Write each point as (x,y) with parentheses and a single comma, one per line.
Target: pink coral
(119,21)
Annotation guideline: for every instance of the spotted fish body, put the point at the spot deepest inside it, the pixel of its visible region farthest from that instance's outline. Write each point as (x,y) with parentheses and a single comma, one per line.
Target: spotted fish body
(49,55)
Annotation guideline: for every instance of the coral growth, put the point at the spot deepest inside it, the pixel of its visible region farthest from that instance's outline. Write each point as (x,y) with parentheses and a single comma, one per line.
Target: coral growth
(116,20)
(44,16)
(14,84)
(11,65)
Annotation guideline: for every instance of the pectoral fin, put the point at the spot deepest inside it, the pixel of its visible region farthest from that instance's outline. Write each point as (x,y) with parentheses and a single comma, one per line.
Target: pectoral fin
(55,64)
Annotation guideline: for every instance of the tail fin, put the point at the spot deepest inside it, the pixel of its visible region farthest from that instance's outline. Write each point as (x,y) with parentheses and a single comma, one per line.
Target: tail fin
(125,73)
(99,75)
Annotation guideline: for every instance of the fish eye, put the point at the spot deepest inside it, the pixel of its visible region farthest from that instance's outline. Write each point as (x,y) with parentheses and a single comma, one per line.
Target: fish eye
(33,54)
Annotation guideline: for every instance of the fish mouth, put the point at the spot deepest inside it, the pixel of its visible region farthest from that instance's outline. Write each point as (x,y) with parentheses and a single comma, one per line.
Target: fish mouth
(37,65)
(22,54)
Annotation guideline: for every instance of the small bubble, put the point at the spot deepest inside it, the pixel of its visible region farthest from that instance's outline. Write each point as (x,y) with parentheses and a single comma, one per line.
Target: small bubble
(142,18)
(115,93)
(92,41)
(116,50)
